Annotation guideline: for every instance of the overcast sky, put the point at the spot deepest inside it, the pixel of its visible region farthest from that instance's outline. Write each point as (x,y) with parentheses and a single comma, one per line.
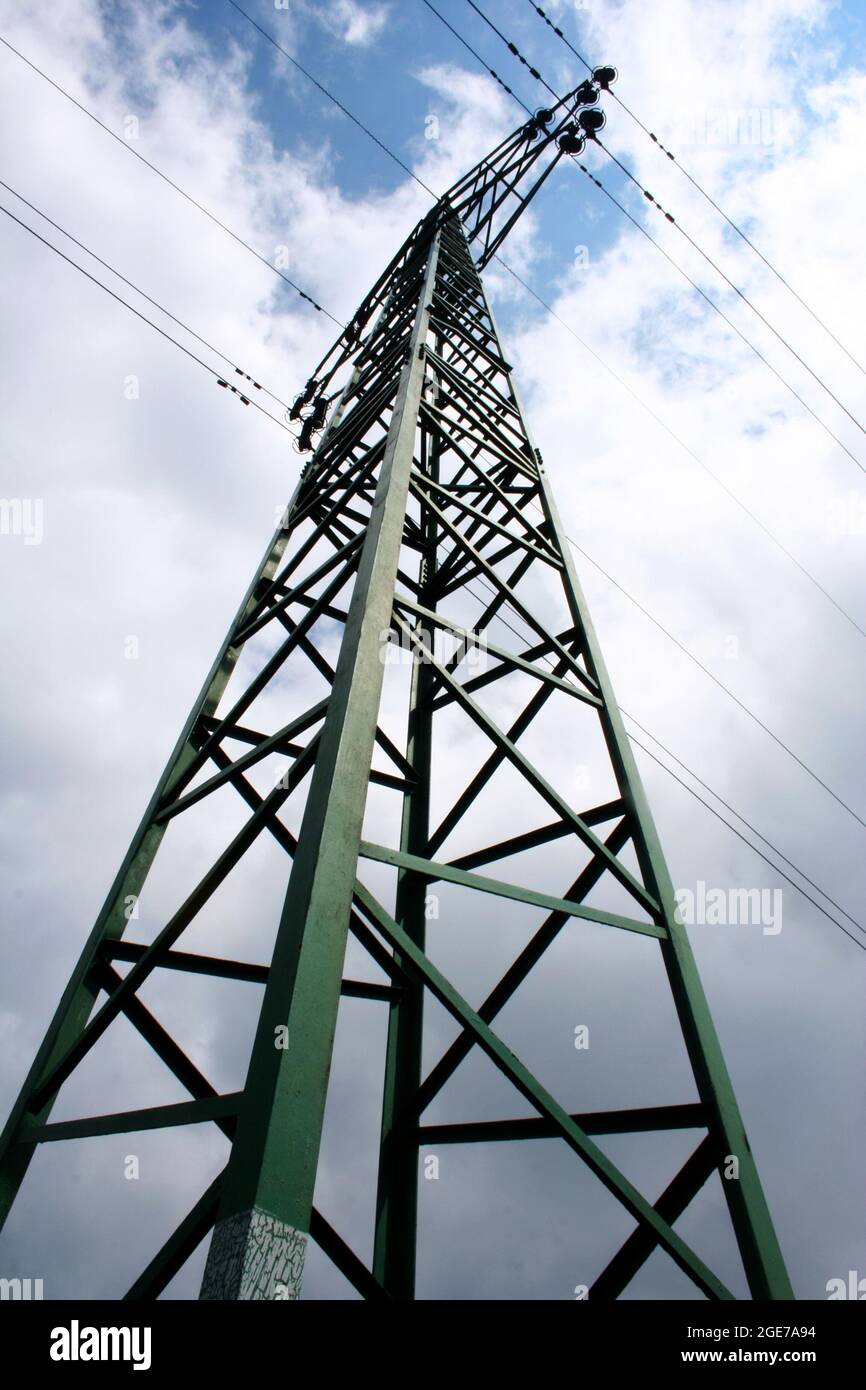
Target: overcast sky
(148,495)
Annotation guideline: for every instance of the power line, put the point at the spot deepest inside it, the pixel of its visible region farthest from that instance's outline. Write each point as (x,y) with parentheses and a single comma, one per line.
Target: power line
(522,638)
(707,672)
(715,679)
(512,48)
(710,473)
(211,371)
(741,817)
(477,56)
(155,326)
(728,281)
(745,841)
(695,286)
(646,407)
(232,361)
(704,194)
(330,95)
(427,189)
(394,157)
(743,706)
(717,308)
(176,186)
(641,229)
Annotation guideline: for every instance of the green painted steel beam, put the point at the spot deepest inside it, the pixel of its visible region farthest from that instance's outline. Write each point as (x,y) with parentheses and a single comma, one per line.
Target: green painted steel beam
(187,1112)
(426,462)
(642,1242)
(508,658)
(267,1196)
(649,1119)
(396,1228)
(538,1096)
(173,1255)
(432,871)
(75,1007)
(533,777)
(759,1246)
(517,972)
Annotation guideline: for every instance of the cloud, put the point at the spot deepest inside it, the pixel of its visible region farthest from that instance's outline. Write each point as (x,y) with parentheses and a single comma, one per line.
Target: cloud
(157,507)
(355,23)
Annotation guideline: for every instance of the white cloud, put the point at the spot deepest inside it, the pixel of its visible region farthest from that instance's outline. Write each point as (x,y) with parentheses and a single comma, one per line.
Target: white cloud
(355,23)
(156,509)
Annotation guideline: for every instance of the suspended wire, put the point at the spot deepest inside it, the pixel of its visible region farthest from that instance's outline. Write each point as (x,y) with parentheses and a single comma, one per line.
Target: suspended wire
(523,638)
(847,616)
(715,679)
(704,194)
(232,361)
(176,186)
(548,308)
(283,426)
(728,281)
(512,48)
(748,825)
(155,326)
(717,308)
(715,477)
(695,286)
(560,34)
(753,716)
(779,276)
(707,672)
(641,229)
(746,709)
(211,372)
(644,232)
(330,95)
(741,836)
(477,56)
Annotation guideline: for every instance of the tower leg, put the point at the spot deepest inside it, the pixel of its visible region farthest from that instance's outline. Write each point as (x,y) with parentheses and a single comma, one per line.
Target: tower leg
(397,1193)
(266,1204)
(80,995)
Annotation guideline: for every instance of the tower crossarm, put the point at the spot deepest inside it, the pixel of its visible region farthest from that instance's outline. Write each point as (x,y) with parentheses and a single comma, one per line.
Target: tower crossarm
(489,200)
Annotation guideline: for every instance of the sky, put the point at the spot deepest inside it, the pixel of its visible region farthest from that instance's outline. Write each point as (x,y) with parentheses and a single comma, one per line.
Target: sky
(146,496)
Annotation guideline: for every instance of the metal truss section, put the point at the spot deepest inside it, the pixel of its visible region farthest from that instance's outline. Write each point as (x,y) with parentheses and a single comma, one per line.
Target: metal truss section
(423,527)
(488,200)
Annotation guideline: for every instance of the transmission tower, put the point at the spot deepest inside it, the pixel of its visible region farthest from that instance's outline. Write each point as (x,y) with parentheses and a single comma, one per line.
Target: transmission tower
(422,539)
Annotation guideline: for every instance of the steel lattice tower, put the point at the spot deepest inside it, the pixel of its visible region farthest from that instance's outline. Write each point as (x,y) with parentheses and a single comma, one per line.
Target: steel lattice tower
(424,519)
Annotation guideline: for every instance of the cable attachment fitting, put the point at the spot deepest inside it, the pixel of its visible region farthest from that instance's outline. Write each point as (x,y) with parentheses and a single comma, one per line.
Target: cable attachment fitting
(305,438)
(543,117)
(246,376)
(304,398)
(591,121)
(604,77)
(586,94)
(234,390)
(312,423)
(570,141)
